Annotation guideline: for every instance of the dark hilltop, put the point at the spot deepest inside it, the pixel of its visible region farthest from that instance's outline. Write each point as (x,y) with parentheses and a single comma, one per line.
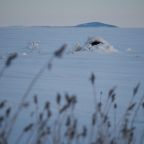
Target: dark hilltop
(95,24)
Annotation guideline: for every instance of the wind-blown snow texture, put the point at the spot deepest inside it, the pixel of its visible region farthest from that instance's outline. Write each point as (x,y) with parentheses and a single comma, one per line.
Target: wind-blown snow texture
(71,74)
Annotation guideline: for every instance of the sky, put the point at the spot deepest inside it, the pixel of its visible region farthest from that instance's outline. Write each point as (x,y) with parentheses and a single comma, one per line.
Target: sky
(123,13)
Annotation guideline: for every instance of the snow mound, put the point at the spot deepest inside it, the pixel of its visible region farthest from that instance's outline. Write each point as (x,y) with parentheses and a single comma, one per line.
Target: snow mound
(33,45)
(129,50)
(95,44)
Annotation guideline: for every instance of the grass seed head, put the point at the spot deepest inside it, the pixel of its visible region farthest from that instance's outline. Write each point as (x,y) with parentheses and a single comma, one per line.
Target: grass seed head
(112,92)
(115,106)
(58,98)
(35,98)
(94,119)
(49,113)
(131,106)
(2,104)
(47,105)
(1,119)
(28,127)
(143,104)
(8,111)
(10,58)
(68,121)
(59,53)
(92,78)
(41,116)
(84,132)
(136,88)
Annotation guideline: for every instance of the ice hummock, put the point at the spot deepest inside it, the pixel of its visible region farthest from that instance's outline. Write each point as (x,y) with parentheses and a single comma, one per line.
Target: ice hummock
(97,44)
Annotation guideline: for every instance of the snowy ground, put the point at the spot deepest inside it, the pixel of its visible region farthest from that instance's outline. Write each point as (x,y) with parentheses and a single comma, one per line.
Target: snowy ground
(35,46)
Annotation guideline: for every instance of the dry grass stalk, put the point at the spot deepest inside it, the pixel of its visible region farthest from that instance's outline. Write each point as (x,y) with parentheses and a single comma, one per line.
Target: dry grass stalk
(64,127)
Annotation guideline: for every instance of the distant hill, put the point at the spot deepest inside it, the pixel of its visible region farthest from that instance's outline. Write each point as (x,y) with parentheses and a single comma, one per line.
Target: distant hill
(95,24)
(89,24)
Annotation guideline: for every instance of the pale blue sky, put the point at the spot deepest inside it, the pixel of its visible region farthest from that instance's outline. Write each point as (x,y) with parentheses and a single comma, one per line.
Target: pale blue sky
(124,13)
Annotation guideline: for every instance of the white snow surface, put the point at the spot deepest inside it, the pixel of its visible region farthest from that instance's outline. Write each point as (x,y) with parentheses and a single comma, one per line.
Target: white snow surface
(112,63)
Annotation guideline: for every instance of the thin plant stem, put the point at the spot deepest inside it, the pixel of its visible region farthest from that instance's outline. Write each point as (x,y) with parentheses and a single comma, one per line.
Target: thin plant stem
(95,95)
(136,111)
(2,71)
(26,94)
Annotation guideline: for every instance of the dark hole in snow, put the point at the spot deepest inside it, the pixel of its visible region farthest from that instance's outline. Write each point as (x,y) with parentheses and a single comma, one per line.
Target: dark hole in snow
(95,43)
